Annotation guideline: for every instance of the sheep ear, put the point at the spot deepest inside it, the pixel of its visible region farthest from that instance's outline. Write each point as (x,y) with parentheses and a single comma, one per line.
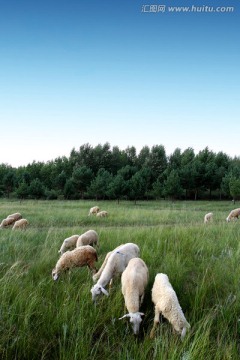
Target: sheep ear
(141,314)
(127,315)
(104,291)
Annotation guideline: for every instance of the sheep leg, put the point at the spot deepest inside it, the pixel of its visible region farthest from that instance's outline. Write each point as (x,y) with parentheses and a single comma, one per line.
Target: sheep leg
(141,299)
(92,268)
(110,285)
(98,274)
(155,323)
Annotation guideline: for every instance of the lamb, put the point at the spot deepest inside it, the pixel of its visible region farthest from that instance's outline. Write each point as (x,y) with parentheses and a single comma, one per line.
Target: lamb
(6,222)
(16,216)
(102,214)
(166,302)
(208,217)
(234,214)
(134,281)
(79,257)
(68,243)
(114,264)
(90,237)
(20,224)
(94,210)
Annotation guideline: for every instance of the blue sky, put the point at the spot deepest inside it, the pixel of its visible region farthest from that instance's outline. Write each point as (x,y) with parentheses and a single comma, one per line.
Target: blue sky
(76,72)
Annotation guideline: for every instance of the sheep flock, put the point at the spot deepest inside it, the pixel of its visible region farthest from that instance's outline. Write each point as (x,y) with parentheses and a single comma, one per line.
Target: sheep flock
(123,262)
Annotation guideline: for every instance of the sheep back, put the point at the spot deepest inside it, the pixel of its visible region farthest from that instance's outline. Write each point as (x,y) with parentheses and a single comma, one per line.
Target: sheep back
(102,214)
(90,237)
(79,257)
(68,243)
(134,280)
(16,216)
(166,302)
(6,222)
(93,210)
(233,214)
(20,224)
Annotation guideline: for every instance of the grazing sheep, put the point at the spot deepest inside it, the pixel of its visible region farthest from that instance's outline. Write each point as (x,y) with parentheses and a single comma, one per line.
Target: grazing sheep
(166,302)
(6,222)
(79,257)
(90,237)
(102,214)
(208,217)
(234,214)
(114,264)
(134,281)
(20,224)
(16,216)
(68,243)
(94,210)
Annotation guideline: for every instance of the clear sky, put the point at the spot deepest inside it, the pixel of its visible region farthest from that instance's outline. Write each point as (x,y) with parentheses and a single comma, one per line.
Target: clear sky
(95,71)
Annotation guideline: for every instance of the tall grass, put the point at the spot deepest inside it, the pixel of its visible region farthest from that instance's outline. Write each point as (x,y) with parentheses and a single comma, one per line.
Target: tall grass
(43,319)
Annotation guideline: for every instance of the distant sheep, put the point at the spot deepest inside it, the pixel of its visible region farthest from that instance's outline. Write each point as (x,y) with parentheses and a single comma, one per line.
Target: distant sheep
(208,217)
(102,214)
(15,216)
(134,281)
(90,237)
(79,257)
(93,211)
(234,214)
(114,264)
(68,244)
(7,222)
(166,302)
(20,224)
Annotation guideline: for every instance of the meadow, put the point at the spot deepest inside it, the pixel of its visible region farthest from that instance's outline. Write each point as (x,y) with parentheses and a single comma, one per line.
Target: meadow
(43,319)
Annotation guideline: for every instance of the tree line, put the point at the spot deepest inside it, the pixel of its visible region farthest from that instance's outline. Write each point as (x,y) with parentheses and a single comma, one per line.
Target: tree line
(102,172)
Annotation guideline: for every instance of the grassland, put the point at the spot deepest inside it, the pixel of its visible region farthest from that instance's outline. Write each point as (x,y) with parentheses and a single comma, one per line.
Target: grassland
(43,319)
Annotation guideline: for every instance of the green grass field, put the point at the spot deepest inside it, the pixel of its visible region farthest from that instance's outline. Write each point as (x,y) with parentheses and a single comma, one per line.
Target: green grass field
(43,319)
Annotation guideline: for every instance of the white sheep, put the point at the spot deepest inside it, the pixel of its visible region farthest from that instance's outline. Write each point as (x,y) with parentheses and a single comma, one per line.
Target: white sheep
(79,257)
(7,222)
(20,224)
(114,264)
(234,214)
(94,210)
(134,280)
(166,302)
(16,216)
(102,213)
(90,237)
(68,243)
(208,217)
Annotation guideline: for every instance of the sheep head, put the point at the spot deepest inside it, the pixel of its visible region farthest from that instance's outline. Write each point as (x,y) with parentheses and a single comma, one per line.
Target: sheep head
(135,320)
(55,274)
(97,290)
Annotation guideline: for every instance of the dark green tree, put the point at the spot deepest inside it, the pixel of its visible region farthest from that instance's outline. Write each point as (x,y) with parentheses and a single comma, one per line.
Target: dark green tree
(117,188)
(9,181)
(23,190)
(36,189)
(172,186)
(157,162)
(157,189)
(69,190)
(138,185)
(82,177)
(234,188)
(99,186)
